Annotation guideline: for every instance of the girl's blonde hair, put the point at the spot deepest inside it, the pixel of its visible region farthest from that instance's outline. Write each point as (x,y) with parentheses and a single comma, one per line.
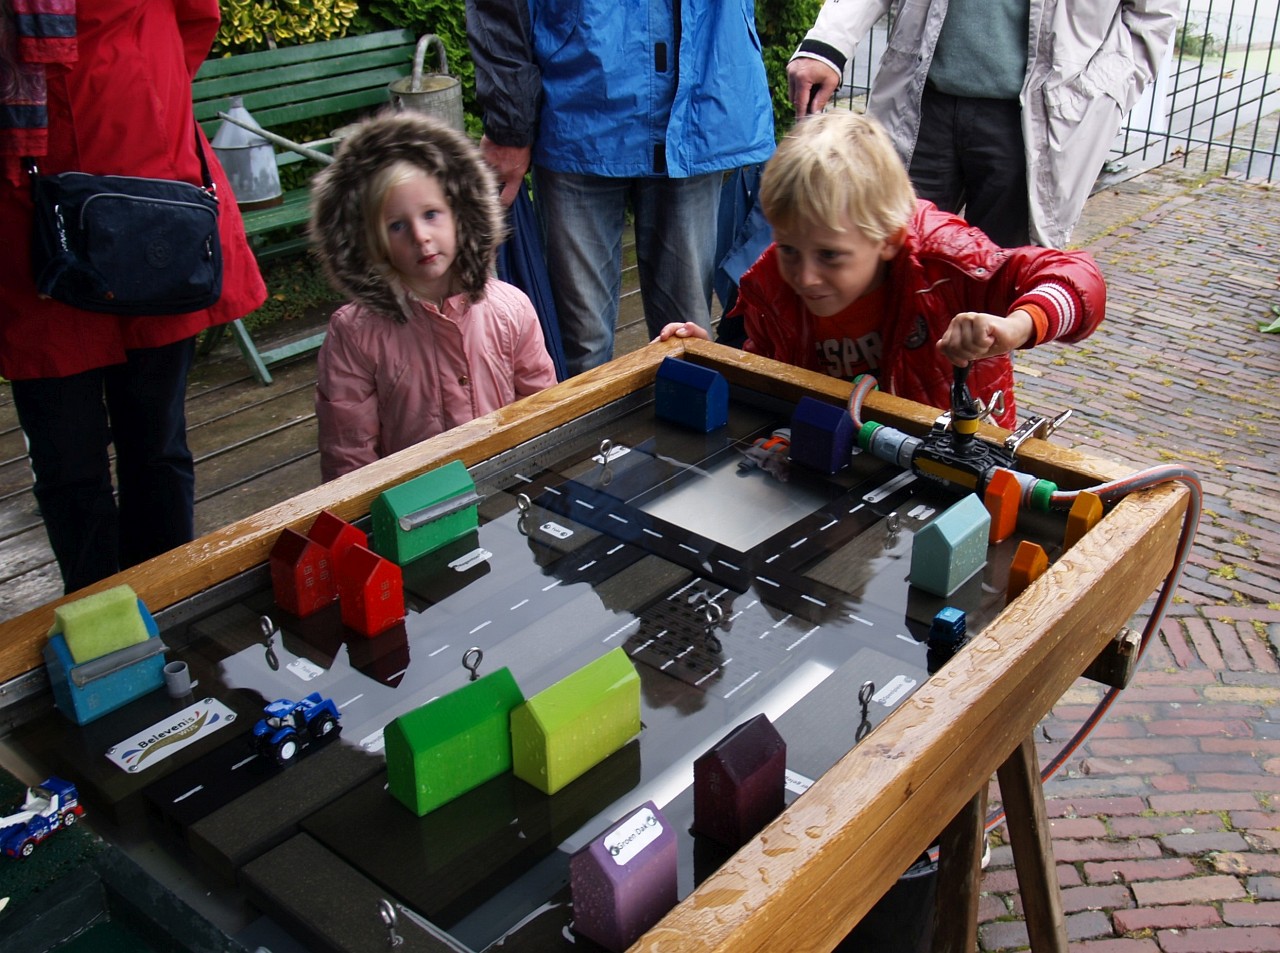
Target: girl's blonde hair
(380,185)
(836,165)
(348,198)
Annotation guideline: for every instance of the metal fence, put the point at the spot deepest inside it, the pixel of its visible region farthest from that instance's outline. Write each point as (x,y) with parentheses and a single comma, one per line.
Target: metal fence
(1215,103)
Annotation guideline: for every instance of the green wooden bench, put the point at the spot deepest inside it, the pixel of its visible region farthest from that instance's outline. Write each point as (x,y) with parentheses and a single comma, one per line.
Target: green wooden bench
(333,80)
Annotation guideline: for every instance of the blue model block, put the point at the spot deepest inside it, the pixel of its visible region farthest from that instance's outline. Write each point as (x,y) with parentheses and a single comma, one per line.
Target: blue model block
(821,435)
(425,513)
(92,689)
(947,552)
(691,395)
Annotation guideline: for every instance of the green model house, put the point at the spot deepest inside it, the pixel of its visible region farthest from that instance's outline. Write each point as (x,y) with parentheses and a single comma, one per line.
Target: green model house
(425,513)
(563,731)
(451,744)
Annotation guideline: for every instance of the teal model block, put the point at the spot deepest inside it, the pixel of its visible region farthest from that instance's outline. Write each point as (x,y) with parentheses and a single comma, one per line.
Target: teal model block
(88,690)
(947,552)
(451,744)
(691,395)
(565,730)
(427,512)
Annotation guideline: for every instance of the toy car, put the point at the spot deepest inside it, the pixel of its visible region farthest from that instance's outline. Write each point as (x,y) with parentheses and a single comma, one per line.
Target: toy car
(289,725)
(49,807)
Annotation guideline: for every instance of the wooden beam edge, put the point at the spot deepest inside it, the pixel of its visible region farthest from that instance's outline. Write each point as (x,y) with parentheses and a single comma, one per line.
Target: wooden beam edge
(853,833)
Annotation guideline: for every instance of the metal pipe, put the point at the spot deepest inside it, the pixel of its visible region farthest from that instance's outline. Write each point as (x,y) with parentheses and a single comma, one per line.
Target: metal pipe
(280,141)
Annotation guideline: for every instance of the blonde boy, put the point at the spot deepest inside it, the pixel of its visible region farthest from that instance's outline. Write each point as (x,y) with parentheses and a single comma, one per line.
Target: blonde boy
(864,278)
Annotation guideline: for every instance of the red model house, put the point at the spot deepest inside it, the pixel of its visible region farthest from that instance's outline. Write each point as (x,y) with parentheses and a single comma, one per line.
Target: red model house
(371,590)
(301,574)
(336,535)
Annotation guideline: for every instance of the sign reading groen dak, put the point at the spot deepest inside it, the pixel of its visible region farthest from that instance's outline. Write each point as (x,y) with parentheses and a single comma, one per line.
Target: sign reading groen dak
(565,730)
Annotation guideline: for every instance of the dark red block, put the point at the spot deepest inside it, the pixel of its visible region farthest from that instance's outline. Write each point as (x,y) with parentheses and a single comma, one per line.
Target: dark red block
(739,784)
(336,535)
(301,574)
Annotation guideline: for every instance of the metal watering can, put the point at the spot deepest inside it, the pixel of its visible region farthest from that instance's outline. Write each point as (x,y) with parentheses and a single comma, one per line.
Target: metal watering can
(437,94)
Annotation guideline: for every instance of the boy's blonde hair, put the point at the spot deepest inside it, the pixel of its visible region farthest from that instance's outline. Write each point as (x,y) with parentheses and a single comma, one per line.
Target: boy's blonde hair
(834,165)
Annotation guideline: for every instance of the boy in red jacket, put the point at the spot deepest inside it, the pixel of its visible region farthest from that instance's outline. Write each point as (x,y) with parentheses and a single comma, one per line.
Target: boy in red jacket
(864,278)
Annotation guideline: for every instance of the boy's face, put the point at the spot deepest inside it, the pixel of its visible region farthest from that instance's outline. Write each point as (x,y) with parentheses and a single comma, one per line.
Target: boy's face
(421,236)
(831,269)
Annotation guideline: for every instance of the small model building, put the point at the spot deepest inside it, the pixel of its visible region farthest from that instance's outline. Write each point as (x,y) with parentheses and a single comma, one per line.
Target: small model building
(739,785)
(1086,511)
(427,512)
(103,652)
(691,395)
(946,553)
(302,578)
(1030,562)
(336,535)
(624,881)
(1002,497)
(821,435)
(563,731)
(948,633)
(451,744)
(371,592)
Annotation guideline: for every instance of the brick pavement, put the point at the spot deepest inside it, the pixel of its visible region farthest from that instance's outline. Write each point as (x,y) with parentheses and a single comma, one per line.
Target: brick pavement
(1166,823)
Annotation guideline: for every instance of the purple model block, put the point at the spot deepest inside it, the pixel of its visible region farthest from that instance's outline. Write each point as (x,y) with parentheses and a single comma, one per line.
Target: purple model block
(624,881)
(739,785)
(821,435)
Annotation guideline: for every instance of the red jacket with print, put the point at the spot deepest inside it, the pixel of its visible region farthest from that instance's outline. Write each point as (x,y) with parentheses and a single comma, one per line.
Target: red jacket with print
(945,267)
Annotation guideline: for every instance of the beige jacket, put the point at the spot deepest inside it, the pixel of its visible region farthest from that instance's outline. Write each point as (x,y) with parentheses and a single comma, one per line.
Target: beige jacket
(1088,61)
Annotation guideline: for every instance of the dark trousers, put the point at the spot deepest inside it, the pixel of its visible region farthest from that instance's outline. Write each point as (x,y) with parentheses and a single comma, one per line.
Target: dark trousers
(71,421)
(969,159)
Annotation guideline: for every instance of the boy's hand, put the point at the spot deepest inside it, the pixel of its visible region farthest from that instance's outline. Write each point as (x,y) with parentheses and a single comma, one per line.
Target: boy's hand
(684,329)
(973,335)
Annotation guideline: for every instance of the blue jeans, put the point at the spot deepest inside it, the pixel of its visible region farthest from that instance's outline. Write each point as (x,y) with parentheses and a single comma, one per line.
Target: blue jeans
(582,219)
(69,423)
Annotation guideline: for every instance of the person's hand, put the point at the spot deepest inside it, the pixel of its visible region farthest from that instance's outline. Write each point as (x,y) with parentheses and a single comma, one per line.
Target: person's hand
(510,163)
(683,329)
(973,335)
(811,84)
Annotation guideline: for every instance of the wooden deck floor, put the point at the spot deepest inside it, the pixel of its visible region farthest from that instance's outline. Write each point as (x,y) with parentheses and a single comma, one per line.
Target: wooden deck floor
(254,446)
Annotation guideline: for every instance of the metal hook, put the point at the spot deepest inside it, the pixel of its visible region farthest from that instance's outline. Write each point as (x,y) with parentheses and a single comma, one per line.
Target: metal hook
(471,660)
(712,613)
(269,631)
(388,914)
(606,471)
(524,505)
(865,693)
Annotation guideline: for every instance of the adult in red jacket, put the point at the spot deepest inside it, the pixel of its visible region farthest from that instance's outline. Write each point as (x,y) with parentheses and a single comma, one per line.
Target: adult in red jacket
(945,267)
(118,102)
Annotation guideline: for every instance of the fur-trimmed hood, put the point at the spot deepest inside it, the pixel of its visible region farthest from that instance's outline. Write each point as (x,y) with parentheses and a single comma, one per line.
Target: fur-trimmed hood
(340,193)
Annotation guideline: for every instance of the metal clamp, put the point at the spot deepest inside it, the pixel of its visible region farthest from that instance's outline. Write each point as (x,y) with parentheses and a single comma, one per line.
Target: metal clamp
(1035,426)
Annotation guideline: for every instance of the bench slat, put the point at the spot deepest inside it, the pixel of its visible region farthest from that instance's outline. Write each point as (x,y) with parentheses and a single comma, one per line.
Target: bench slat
(266,59)
(282,81)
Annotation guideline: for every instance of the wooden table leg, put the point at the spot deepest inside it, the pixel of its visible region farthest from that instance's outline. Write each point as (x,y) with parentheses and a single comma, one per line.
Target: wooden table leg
(955,917)
(1023,796)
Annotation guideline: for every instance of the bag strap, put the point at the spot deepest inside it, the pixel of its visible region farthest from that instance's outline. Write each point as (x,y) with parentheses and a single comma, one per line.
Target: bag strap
(32,170)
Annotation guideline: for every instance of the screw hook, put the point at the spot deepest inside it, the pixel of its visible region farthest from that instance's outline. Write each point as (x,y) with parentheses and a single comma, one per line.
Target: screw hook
(471,660)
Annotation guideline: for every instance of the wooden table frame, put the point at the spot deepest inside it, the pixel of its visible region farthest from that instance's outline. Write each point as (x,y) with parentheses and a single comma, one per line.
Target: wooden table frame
(815,871)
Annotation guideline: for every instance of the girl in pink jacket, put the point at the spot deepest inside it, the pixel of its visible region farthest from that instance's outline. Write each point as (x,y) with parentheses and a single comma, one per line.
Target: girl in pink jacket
(406,222)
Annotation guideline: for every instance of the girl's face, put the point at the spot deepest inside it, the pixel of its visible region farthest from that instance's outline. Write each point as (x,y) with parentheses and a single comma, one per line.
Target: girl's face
(422,237)
(830,269)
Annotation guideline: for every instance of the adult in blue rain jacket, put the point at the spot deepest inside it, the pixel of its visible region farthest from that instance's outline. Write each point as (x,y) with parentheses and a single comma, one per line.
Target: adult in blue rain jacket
(621,104)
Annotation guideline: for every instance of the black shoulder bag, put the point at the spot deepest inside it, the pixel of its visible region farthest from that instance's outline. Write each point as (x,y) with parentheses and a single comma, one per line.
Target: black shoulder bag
(118,244)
